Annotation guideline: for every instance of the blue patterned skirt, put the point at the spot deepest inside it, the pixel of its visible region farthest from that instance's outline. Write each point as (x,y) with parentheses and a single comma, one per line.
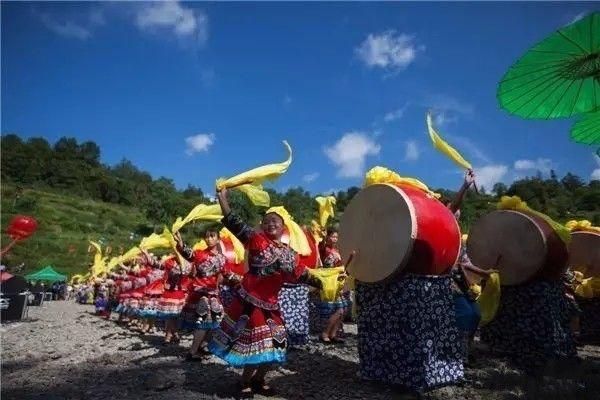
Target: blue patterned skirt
(532,324)
(327,308)
(407,332)
(293,303)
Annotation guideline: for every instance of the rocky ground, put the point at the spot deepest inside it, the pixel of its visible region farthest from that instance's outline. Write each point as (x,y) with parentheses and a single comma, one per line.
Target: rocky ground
(64,352)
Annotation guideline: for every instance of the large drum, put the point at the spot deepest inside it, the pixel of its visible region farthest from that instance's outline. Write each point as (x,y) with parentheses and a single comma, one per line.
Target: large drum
(398,229)
(523,247)
(584,253)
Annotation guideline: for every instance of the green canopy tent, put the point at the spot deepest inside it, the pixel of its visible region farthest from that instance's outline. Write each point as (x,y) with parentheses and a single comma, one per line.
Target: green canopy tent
(46,274)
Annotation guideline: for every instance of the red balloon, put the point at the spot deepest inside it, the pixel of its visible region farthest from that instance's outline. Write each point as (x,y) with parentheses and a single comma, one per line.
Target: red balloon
(21,227)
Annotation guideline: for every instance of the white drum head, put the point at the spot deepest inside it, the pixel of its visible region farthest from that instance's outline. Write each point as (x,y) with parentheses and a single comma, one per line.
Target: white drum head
(378,225)
(584,253)
(511,239)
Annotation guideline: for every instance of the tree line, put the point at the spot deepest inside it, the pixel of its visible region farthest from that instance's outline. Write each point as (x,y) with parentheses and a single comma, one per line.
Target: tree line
(75,168)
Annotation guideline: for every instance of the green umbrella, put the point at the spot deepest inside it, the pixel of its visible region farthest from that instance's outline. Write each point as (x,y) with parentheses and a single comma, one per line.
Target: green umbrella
(558,77)
(587,130)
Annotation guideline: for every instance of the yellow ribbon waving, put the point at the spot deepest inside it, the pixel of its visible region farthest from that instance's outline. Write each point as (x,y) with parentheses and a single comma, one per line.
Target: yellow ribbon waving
(164,240)
(202,212)
(250,182)
(441,145)
(326,209)
(298,241)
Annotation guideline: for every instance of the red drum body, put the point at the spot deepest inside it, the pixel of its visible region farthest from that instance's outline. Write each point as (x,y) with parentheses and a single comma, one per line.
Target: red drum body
(521,246)
(584,253)
(398,229)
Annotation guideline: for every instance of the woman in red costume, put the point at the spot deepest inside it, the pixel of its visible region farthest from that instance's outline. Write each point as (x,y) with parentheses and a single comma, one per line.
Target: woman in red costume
(252,334)
(203,310)
(173,299)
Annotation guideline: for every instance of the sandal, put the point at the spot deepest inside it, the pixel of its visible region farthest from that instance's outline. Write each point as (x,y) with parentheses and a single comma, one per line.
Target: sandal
(260,387)
(325,340)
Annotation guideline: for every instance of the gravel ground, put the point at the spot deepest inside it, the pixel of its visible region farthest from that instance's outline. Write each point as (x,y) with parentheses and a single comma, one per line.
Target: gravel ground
(65,352)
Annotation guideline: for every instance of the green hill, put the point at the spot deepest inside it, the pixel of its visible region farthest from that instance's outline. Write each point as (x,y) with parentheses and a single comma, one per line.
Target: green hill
(65,224)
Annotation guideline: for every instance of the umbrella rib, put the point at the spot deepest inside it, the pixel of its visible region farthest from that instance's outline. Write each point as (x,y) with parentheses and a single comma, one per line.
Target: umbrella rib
(586,137)
(549,82)
(576,97)
(550,94)
(529,73)
(554,52)
(541,77)
(568,39)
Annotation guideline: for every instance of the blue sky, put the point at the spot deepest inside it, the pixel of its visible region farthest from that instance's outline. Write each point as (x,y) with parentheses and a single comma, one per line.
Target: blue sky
(196,91)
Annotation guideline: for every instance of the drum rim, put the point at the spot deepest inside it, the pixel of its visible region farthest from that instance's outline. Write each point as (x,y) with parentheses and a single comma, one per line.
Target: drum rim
(541,232)
(582,233)
(413,234)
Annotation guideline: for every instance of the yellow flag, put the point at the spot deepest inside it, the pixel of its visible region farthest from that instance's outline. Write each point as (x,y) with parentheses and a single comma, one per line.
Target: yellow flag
(204,212)
(96,246)
(384,175)
(298,241)
(489,300)
(130,254)
(155,241)
(257,195)
(238,247)
(76,279)
(255,178)
(99,264)
(515,203)
(330,285)
(326,209)
(444,147)
(316,230)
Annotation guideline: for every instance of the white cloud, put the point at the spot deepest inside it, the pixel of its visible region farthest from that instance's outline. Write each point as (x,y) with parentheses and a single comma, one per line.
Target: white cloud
(388,50)
(350,152)
(310,177)
(199,143)
(411,152)
(81,28)
(394,115)
(447,109)
(544,165)
(489,175)
(172,16)
(596,173)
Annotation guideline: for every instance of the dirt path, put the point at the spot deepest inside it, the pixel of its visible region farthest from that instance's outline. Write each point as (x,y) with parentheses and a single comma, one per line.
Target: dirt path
(65,352)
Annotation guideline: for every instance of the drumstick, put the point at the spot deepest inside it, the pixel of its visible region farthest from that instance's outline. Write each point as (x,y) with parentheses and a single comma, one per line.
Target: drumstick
(349,261)
(498,260)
